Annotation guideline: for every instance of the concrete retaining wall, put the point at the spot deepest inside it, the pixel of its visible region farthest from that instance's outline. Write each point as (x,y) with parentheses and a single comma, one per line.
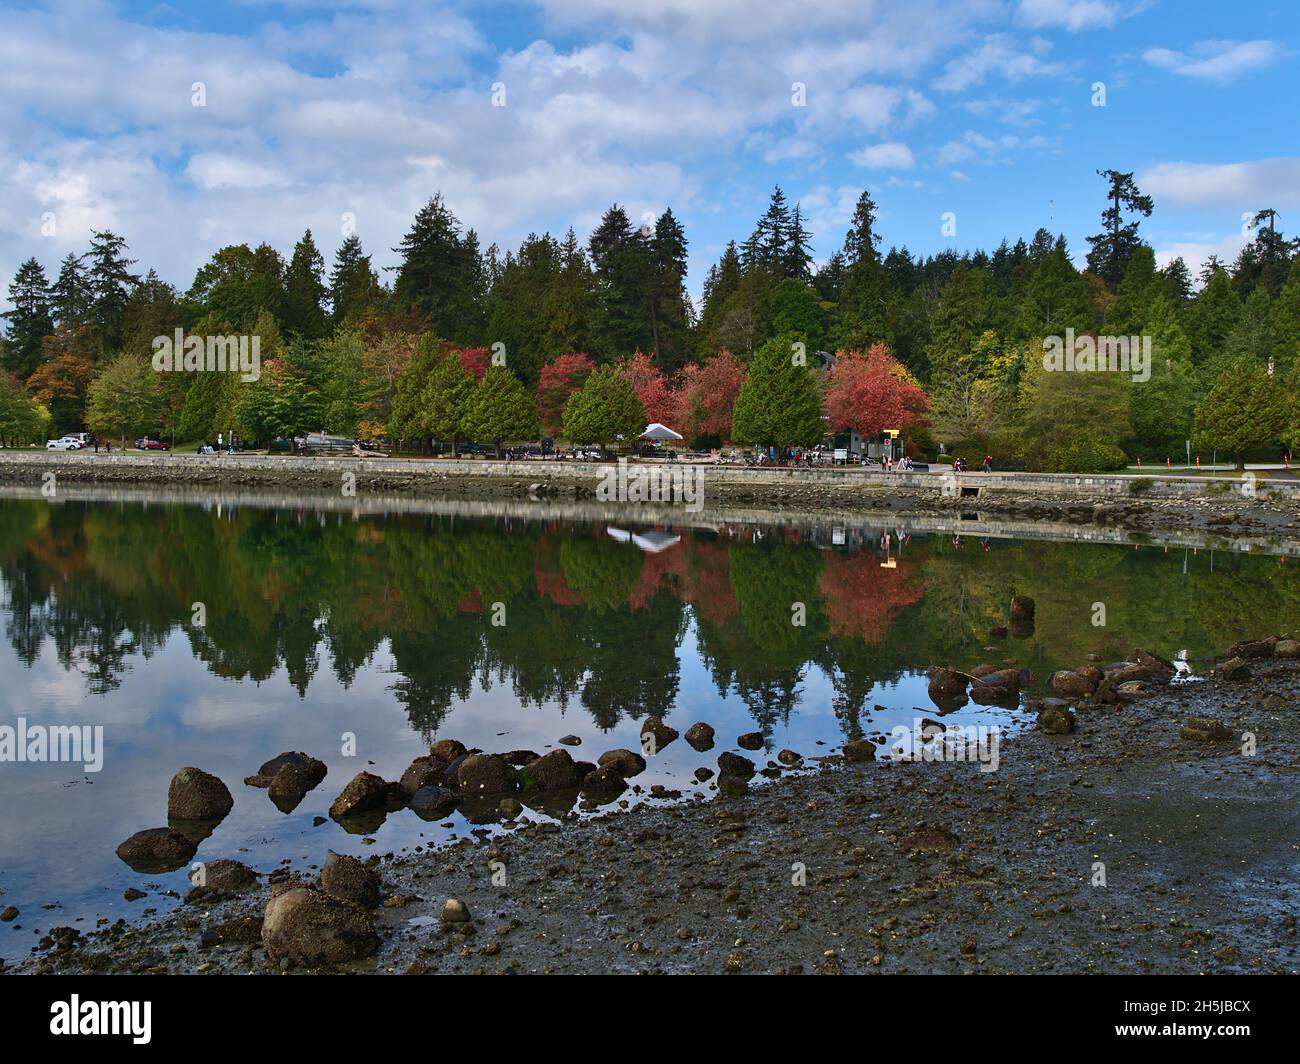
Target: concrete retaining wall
(22,467)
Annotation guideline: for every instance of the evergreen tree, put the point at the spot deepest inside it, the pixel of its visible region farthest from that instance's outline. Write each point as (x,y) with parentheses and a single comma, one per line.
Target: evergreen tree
(125,399)
(500,410)
(670,306)
(780,404)
(1243,412)
(304,291)
(622,258)
(71,297)
(354,286)
(446,398)
(438,274)
(864,305)
(1111,249)
(604,409)
(1284,323)
(30,320)
(111,283)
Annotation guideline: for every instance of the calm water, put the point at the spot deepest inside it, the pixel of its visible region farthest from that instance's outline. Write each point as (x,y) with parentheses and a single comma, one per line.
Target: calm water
(321,625)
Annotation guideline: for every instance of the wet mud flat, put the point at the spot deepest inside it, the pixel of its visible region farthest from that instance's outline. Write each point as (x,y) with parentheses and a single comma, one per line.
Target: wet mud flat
(907,867)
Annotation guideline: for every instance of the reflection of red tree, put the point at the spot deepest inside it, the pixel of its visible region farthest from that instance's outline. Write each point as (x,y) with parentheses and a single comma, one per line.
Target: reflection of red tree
(548,576)
(471,603)
(863,599)
(697,571)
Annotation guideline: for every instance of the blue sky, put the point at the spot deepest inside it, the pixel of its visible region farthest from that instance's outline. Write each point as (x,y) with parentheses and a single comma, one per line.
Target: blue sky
(315,112)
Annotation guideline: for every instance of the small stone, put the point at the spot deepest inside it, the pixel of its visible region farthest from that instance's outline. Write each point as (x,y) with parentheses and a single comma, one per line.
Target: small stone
(700,736)
(750,741)
(454,911)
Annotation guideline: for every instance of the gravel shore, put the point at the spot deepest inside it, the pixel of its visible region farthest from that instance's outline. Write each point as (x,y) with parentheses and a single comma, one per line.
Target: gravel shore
(907,867)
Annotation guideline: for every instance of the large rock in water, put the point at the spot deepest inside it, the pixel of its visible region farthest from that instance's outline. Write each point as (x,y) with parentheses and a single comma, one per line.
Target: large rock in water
(946,684)
(628,763)
(310,928)
(156,850)
(603,785)
(996,688)
(432,802)
(424,771)
(700,736)
(197,795)
(480,775)
(1022,608)
(660,734)
(556,771)
(311,769)
(350,880)
(735,765)
(365,793)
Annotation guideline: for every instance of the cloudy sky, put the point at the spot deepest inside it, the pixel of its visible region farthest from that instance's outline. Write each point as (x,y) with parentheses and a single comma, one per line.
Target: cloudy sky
(313,112)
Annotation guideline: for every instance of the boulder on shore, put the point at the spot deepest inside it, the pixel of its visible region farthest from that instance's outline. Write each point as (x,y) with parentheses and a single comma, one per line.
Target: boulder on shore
(1235,669)
(1070,684)
(1055,720)
(309,928)
(350,880)
(1253,648)
(1206,730)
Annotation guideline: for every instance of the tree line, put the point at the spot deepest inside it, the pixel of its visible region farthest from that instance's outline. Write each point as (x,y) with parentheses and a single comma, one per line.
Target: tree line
(589,341)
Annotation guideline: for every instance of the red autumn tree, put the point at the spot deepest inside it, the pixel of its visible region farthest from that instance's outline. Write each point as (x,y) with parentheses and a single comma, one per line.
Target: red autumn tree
(654,389)
(708,393)
(874,392)
(559,379)
(476,361)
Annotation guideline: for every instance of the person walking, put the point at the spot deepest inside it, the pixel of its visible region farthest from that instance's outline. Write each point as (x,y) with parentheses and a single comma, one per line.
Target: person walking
(988,463)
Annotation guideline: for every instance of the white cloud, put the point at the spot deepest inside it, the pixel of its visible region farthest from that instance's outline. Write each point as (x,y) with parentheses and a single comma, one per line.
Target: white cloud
(1073,15)
(1215,60)
(891,155)
(1001,55)
(1244,185)
(218,171)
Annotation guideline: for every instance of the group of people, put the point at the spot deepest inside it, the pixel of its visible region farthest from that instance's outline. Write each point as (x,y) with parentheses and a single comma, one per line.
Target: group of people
(959,466)
(901,465)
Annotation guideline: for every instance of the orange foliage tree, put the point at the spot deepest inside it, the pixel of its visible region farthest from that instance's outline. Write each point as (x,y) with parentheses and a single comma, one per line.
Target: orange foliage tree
(874,392)
(559,379)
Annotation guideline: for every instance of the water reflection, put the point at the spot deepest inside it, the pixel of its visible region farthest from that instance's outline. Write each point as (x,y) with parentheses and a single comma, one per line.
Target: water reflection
(505,632)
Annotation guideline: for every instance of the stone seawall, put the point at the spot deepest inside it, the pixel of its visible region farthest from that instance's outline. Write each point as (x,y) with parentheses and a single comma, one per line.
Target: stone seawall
(489,477)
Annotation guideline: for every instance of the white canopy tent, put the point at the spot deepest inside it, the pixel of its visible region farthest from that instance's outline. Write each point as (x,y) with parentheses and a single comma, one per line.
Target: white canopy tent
(656,431)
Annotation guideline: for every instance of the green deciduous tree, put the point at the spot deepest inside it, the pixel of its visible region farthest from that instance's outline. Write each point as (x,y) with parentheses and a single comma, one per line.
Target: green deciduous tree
(125,399)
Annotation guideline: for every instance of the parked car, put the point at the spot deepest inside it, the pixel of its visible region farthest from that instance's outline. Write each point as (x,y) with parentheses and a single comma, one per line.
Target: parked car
(64,443)
(144,443)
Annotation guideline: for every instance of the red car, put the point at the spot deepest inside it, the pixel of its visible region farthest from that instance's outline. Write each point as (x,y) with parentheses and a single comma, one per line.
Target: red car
(144,443)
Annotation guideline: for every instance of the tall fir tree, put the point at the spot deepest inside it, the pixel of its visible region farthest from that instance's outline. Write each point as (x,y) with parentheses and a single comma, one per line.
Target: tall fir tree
(304,291)
(30,320)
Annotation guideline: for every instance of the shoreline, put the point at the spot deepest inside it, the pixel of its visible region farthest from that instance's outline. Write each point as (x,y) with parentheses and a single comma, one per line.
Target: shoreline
(910,867)
(1228,506)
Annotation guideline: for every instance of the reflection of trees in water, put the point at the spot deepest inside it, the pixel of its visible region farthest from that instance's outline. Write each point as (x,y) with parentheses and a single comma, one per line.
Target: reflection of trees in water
(588,619)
